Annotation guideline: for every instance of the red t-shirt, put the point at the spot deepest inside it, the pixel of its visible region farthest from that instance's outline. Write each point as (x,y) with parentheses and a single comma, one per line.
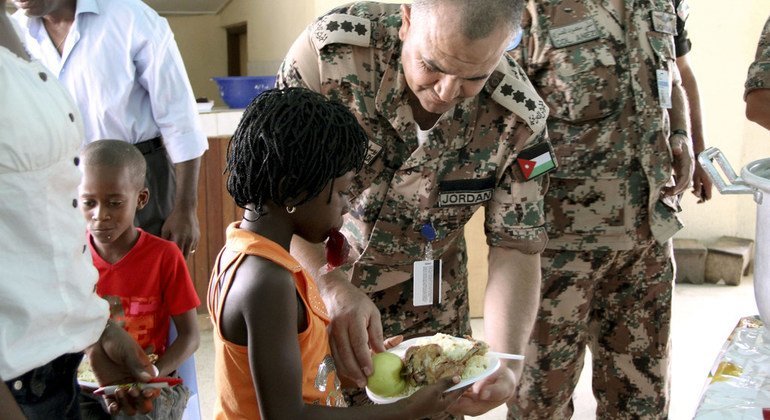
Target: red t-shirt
(146,288)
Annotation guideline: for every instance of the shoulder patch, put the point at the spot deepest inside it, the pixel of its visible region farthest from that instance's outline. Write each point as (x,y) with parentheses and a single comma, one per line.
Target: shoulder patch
(340,28)
(516,94)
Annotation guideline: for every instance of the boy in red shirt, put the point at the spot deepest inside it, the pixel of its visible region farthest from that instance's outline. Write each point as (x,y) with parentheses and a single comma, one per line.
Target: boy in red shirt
(144,277)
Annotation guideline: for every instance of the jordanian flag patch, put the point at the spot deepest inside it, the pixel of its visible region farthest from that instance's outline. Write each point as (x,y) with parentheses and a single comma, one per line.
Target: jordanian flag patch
(536,160)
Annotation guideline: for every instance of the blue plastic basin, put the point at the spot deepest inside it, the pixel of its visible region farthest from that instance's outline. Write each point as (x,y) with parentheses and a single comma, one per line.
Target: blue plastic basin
(238,91)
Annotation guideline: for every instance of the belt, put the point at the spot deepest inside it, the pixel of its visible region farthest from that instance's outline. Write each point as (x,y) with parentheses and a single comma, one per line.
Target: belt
(149,146)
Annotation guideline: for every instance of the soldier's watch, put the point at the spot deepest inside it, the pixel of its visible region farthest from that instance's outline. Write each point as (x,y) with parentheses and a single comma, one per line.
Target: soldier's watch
(680,131)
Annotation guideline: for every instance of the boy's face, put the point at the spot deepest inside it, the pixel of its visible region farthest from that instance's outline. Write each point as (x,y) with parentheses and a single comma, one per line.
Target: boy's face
(109,198)
(324,212)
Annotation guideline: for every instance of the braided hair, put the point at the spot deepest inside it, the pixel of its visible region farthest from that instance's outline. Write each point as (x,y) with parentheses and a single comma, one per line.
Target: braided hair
(289,144)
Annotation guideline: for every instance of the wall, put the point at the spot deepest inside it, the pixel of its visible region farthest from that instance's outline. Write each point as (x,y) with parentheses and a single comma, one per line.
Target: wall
(203,45)
(721,63)
(272,27)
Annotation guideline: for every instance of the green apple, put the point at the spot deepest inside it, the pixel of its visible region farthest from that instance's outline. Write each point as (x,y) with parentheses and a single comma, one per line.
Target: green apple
(386,380)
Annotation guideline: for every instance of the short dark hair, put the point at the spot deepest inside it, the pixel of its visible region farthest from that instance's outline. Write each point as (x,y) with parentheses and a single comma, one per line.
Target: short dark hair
(479,17)
(289,144)
(116,154)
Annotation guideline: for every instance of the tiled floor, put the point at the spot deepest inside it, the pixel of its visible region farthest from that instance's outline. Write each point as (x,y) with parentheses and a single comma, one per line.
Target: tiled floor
(703,317)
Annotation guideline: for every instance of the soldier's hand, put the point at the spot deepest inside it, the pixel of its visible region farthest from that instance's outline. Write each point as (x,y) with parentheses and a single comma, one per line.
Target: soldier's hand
(683,164)
(486,394)
(701,184)
(354,331)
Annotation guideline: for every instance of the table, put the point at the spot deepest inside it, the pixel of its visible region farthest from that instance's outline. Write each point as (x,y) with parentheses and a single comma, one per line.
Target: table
(738,385)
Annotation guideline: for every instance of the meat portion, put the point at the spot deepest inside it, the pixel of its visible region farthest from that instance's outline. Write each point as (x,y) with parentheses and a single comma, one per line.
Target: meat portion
(426,364)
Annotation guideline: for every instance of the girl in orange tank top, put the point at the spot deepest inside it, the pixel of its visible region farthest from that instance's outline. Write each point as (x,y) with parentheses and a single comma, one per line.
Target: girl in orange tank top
(290,165)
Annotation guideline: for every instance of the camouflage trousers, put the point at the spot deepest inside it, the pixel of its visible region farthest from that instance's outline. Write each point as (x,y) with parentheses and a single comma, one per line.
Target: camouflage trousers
(399,316)
(618,304)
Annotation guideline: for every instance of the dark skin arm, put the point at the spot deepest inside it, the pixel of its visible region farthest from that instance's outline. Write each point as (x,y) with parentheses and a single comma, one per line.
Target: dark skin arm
(263,311)
(185,344)
(181,226)
(355,321)
(758,107)
(701,183)
(117,359)
(10,408)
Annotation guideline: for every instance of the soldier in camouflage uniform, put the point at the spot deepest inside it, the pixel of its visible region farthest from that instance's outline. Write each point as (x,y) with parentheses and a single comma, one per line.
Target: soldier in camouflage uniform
(450,121)
(607,71)
(757,93)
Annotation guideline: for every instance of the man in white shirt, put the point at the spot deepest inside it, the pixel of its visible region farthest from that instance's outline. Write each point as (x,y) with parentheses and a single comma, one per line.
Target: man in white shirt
(120,62)
(49,310)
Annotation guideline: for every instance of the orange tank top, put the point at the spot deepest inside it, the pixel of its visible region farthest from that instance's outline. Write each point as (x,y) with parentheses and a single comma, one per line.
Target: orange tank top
(236,396)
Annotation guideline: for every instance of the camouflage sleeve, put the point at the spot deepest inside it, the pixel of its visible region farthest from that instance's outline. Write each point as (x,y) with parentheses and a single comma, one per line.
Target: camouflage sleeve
(300,66)
(515,218)
(759,71)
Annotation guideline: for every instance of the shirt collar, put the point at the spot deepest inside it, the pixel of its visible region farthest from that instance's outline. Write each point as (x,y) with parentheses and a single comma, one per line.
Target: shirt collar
(87,6)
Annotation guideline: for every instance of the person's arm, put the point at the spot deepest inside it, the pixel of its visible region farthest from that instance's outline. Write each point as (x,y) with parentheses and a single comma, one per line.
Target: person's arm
(272,315)
(511,302)
(701,181)
(681,145)
(181,226)
(160,70)
(116,358)
(355,321)
(185,344)
(11,410)
(757,85)
(758,107)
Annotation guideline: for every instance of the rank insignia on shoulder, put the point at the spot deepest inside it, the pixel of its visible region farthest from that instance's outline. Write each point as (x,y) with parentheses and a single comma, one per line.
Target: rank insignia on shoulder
(536,160)
(340,28)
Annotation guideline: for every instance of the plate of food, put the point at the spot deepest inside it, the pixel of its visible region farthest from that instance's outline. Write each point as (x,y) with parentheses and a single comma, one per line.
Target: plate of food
(424,360)
(86,376)
(161,382)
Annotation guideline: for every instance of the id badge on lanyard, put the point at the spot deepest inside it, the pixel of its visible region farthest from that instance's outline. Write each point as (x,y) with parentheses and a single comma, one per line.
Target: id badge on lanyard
(427,272)
(664,87)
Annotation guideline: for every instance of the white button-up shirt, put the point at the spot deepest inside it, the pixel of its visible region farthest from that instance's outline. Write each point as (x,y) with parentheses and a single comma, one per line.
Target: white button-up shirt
(48,305)
(122,65)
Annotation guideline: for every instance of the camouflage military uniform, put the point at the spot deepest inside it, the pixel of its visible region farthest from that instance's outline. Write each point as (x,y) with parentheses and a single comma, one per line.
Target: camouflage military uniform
(759,71)
(607,269)
(466,161)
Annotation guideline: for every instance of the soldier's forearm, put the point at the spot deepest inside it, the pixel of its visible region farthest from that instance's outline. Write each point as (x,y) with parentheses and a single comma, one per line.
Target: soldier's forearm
(511,300)
(690,86)
(679,112)
(758,107)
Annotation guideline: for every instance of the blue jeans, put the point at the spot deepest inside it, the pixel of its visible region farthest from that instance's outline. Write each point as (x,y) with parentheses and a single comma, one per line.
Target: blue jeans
(50,391)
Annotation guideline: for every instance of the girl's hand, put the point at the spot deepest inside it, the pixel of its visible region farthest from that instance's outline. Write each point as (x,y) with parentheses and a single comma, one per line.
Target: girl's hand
(432,399)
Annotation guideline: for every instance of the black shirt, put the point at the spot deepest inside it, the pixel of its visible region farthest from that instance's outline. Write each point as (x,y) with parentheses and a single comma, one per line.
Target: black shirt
(682,44)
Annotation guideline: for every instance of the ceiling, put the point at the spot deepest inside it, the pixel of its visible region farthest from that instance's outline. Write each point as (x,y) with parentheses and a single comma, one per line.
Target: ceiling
(187,7)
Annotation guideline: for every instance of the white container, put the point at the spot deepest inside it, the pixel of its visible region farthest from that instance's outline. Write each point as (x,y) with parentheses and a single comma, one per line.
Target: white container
(754,179)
